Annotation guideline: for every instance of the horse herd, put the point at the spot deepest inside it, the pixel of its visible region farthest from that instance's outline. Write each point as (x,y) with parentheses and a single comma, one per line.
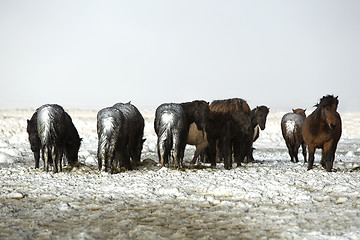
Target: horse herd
(223,130)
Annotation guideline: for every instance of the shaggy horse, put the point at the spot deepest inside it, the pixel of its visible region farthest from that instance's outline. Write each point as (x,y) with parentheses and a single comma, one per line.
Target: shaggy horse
(136,130)
(172,122)
(52,131)
(112,130)
(322,129)
(291,128)
(229,124)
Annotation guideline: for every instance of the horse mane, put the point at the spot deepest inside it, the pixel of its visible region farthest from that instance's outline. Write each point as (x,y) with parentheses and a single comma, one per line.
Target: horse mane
(327,100)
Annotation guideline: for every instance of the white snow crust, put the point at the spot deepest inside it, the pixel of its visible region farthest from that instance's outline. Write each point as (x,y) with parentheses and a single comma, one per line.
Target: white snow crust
(271,198)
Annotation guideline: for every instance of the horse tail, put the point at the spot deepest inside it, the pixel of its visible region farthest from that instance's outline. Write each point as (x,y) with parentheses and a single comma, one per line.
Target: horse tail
(50,123)
(107,141)
(45,126)
(292,130)
(165,144)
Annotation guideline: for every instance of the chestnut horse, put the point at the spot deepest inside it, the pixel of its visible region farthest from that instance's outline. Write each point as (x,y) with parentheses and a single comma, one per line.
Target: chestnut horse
(322,129)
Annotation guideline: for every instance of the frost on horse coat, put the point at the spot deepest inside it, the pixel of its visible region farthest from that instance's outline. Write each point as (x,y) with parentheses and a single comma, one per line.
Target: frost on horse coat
(322,129)
(291,128)
(51,130)
(172,122)
(169,127)
(112,133)
(136,123)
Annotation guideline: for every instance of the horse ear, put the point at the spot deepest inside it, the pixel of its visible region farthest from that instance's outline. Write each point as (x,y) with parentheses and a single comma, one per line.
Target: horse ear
(28,121)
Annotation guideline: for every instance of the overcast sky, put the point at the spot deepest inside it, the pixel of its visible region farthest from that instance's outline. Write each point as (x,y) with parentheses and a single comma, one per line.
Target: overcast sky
(283,54)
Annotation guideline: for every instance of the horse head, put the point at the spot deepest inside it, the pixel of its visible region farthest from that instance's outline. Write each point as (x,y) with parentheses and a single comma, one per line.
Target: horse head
(260,115)
(71,150)
(328,106)
(201,113)
(300,112)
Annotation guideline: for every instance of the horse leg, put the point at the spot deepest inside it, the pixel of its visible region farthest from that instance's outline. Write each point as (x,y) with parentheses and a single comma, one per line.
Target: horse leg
(161,152)
(212,152)
(296,151)
(237,153)
(226,149)
(311,156)
(59,155)
(289,147)
(198,151)
(54,155)
(322,162)
(37,159)
(329,151)
(303,146)
(219,158)
(45,156)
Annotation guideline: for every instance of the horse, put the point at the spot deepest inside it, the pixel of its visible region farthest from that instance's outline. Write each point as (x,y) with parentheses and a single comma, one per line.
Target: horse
(291,128)
(172,123)
(258,120)
(136,126)
(52,132)
(229,126)
(198,139)
(322,129)
(112,130)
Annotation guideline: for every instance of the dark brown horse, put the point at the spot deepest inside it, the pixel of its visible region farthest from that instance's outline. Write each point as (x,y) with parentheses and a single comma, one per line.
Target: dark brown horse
(322,129)
(229,127)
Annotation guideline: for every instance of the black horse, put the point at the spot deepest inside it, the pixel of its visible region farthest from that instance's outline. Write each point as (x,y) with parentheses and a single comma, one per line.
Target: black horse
(113,134)
(172,122)
(136,124)
(52,131)
(258,121)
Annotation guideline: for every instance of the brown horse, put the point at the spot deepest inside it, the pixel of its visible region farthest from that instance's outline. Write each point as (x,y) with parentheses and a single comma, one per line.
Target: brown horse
(322,129)
(198,139)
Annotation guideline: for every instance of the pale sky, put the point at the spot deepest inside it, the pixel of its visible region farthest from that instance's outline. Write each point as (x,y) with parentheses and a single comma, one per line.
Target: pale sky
(283,54)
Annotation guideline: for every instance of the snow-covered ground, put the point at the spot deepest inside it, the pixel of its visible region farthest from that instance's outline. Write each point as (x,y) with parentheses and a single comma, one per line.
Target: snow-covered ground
(270,199)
